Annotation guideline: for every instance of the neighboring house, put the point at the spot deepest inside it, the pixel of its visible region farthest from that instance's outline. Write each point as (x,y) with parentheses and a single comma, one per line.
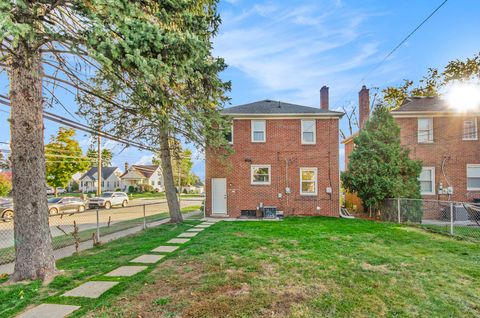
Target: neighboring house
(110,179)
(285,155)
(140,175)
(75,180)
(198,187)
(444,139)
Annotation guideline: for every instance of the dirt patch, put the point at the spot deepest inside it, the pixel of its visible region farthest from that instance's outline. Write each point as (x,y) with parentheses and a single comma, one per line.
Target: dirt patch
(376,268)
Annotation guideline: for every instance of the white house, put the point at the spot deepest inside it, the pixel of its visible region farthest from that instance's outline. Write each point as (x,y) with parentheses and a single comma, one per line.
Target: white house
(140,175)
(110,179)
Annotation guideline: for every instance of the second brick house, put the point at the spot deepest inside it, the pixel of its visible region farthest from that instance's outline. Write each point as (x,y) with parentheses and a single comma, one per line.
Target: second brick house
(445,140)
(284,155)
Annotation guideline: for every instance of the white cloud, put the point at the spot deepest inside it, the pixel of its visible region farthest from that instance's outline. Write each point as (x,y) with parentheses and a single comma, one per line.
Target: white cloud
(145,160)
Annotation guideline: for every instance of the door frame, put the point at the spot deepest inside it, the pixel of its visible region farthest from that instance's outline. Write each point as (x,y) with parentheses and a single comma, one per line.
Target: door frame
(212,197)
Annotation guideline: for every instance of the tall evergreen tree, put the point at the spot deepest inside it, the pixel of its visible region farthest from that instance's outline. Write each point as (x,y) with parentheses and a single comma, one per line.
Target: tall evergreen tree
(379,167)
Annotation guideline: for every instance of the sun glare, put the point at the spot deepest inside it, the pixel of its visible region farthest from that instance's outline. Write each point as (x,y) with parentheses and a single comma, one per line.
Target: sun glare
(464,96)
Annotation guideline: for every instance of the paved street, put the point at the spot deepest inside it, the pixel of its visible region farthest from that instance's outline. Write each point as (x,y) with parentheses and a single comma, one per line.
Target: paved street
(88,219)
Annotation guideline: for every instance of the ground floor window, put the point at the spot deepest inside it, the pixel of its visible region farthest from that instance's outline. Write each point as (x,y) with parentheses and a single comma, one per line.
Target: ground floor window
(427,180)
(260,174)
(308,181)
(473,177)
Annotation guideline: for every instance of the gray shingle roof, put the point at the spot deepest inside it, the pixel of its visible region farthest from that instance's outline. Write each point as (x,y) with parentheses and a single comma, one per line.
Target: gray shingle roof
(425,104)
(106,172)
(270,107)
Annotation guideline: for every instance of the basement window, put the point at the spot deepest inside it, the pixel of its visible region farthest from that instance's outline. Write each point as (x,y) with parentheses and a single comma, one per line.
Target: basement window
(260,174)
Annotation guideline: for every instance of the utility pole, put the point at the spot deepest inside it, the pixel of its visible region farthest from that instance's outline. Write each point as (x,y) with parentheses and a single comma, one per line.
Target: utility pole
(99,167)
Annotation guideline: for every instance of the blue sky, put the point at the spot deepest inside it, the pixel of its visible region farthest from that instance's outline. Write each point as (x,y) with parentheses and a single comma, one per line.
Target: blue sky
(287,50)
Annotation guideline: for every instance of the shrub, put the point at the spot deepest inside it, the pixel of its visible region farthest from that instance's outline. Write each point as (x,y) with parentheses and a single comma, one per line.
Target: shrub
(5,185)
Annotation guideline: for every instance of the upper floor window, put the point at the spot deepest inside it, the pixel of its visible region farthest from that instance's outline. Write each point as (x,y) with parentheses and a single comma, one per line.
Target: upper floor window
(260,174)
(258,131)
(470,129)
(308,181)
(229,135)
(425,130)
(473,177)
(308,132)
(427,180)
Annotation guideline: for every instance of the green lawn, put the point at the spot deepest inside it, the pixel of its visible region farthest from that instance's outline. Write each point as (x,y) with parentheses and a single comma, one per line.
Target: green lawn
(300,267)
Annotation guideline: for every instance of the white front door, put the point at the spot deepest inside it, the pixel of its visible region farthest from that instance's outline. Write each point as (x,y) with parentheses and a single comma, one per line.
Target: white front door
(219,195)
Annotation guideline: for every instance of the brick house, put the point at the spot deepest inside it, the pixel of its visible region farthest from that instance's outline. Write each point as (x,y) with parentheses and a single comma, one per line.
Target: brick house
(445,140)
(284,155)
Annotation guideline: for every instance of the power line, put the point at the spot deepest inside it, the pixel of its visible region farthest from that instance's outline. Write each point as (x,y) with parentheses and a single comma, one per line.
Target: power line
(395,48)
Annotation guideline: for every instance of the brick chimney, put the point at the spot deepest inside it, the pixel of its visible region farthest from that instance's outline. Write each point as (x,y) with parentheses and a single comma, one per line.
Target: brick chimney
(324,98)
(363,105)
(126,166)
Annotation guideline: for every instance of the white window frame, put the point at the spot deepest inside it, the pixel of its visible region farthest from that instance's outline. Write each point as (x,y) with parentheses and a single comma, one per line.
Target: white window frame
(264,130)
(472,166)
(314,131)
(231,132)
(432,171)
(315,180)
(253,182)
(476,129)
(430,136)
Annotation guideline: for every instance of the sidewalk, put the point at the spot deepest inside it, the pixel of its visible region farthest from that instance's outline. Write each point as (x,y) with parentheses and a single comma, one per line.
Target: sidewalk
(70,250)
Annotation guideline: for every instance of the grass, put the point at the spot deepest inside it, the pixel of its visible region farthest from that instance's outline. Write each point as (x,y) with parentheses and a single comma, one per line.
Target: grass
(311,267)
(467,232)
(89,265)
(7,254)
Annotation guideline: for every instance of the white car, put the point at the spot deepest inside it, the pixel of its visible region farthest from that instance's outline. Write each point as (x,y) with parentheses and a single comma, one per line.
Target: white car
(50,191)
(109,199)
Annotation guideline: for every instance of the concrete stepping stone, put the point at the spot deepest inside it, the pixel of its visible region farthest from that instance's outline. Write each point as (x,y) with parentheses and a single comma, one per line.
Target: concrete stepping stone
(49,310)
(200,226)
(178,241)
(188,234)
(207,223)
(147,259)
(126,271)
(195,230)
(165,249)
(93,289)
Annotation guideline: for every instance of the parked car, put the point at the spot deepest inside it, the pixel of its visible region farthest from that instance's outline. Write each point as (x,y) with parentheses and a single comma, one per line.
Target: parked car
(51,191)
(109,199)
(61,191)
(6,209)
(65,204)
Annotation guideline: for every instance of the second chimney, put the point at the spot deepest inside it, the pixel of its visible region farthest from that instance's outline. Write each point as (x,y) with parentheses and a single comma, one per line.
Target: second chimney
(324,98)
(126,166)
(363,105)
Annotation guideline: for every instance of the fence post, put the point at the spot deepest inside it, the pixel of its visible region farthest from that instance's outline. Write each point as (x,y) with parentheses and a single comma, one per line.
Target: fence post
(451,218)
(399,211)
(98,227)
(144,218)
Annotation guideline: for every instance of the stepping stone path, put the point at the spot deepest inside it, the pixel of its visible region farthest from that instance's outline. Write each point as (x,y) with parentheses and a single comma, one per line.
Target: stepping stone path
(49,310)
(165,249)
(200,226)
(188,234)
(126,271)
(147,259)
(178,241)
(90,289)
(195,230)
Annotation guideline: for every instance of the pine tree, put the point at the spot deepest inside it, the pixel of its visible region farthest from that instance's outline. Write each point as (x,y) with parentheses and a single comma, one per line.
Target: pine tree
(379,167)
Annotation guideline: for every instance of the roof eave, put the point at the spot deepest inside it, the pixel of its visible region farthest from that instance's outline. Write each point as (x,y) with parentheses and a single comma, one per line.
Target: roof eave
(284,115)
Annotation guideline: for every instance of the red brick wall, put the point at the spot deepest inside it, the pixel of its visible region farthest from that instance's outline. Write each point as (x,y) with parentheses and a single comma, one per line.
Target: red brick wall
(285,153)
(448,145)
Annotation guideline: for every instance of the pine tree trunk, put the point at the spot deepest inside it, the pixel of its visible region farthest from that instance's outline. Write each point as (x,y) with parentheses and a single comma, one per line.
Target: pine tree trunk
(33,243)
(166,162)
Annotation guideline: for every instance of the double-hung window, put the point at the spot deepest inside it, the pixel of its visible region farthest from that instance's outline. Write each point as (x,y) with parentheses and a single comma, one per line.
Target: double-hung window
(308,181)
(427,180)
(308,132)
(425,130)
(470,129)
(260,174)
(229,134)
(473,177)
(258,131)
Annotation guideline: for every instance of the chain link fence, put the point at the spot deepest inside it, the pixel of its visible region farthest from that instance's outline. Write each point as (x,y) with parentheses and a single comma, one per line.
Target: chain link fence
(455,218)
(95,225)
